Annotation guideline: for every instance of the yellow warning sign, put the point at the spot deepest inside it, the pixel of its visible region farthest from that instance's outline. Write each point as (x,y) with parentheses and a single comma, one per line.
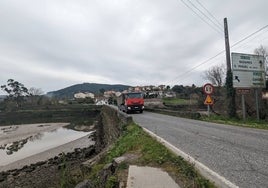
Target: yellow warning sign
(208,100)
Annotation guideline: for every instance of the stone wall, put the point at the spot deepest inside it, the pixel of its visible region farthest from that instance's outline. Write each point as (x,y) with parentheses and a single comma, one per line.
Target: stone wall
(46,173)
(111,125)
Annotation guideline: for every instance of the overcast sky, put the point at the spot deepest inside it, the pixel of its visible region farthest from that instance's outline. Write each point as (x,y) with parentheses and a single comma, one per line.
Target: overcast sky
(52,44)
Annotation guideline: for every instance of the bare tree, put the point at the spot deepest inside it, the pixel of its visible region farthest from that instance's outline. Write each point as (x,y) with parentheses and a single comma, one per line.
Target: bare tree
(35,91)
(263,51)
(215,74)
(36,95)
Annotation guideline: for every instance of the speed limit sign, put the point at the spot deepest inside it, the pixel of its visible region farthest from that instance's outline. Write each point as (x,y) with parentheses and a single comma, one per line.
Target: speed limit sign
(208,88)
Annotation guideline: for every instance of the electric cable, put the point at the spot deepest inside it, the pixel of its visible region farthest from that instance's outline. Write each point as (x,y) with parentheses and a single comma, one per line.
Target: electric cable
(243,45)
(211,20)
(217,21)
(218,54)
(214,28)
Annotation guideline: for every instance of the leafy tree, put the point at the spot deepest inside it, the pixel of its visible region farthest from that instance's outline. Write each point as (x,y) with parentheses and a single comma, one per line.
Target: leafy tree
(102,90)
(178,88)
(16,91)
(185,91)
(215,75)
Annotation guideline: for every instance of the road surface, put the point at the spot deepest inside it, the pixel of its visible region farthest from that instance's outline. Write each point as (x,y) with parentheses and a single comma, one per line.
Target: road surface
(238,154)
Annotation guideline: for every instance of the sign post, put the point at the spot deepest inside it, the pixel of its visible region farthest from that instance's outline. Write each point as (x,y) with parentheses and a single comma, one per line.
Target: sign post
(208,89)
(243,92)
(257,104)
(248,72)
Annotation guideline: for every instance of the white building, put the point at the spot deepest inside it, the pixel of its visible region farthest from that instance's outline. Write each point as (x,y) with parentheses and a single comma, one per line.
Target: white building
(101,102)
(81,95)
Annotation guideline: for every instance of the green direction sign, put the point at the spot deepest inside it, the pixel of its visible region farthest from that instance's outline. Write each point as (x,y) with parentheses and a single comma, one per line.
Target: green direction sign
(248,71)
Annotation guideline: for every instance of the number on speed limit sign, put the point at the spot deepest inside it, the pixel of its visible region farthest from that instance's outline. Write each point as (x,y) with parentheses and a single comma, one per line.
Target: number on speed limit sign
(208,89)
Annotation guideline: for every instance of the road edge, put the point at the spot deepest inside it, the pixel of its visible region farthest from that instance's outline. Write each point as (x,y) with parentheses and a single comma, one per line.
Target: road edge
(214,177)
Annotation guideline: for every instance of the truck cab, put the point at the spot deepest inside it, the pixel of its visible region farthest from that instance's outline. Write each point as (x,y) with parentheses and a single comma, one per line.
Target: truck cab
(131,102)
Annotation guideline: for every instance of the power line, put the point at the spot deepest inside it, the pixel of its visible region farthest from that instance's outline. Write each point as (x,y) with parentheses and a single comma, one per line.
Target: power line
(214,28)
(242,45)
(217,21)
(249,36)
(195,67)
(211,20)
(213,57)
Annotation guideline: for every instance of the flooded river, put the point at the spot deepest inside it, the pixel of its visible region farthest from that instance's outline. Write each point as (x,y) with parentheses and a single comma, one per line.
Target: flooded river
(33,144)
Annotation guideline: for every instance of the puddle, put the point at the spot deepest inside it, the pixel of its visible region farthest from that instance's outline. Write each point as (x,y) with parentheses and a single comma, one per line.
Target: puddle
(36,144)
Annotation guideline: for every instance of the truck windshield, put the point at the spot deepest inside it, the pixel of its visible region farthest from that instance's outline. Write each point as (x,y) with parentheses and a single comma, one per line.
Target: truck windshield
(134,95)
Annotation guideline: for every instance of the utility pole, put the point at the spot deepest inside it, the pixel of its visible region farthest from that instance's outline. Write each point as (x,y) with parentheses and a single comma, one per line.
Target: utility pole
(227,46)
(230,99)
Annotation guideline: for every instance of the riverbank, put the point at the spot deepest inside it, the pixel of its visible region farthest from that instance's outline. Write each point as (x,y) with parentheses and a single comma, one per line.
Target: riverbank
(58,171)
(83,142)
(46,168)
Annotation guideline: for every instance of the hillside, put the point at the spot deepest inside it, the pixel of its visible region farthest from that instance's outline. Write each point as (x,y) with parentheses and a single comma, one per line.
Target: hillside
(95,88)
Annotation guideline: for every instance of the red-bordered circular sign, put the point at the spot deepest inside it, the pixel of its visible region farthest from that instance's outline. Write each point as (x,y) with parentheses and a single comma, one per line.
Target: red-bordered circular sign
(208,88)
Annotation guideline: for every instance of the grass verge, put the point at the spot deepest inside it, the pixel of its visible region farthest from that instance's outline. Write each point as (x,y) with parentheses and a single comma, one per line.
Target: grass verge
(250,123)
(177,101)
(149,152)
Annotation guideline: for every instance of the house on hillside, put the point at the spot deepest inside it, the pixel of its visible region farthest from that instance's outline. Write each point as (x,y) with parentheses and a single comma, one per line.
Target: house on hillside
(81,95)
(162,87)
(108,94)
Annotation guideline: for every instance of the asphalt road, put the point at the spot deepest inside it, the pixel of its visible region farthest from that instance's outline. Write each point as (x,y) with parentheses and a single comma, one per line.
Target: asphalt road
(238,154)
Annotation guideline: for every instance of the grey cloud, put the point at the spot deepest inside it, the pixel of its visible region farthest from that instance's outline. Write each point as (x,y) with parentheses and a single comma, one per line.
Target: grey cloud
(128,42)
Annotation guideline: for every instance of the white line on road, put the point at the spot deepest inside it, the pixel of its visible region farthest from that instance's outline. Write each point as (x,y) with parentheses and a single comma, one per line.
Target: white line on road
(219,181)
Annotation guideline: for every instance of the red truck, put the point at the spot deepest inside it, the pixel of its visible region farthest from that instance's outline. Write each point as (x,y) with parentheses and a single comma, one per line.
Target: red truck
(131,102)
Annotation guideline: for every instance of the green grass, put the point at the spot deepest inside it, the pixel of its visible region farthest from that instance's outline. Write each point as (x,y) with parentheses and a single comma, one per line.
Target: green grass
(250,123)
(152,153)
(177,101)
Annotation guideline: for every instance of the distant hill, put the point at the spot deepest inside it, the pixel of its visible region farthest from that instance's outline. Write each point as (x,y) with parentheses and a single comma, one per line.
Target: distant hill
(95,88)
(2,97)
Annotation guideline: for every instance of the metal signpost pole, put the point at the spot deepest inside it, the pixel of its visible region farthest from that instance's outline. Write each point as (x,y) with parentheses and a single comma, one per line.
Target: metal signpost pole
(243,107)
(257,104)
